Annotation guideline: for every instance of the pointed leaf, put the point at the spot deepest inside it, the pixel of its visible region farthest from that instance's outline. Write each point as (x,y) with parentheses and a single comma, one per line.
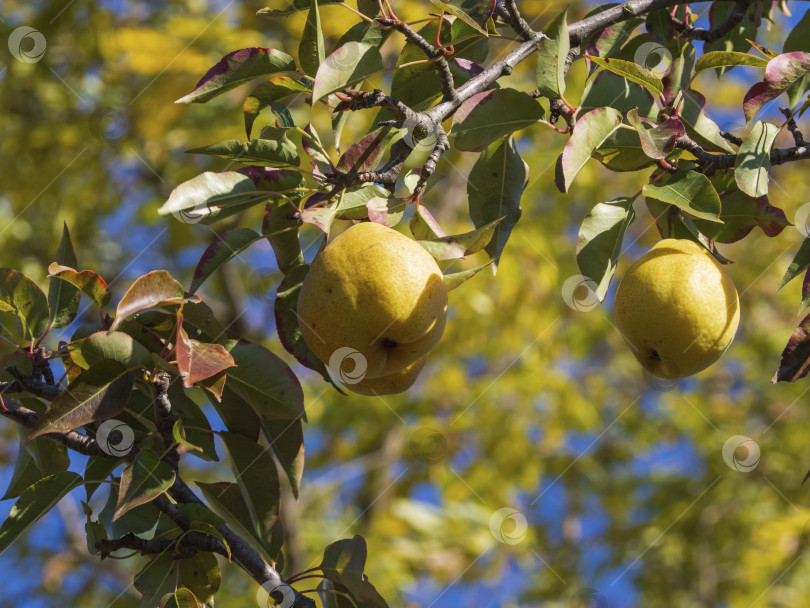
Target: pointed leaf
(632,72)
(88,281)
(272,148)
(201,576)
(114,345)
(310,49)
(142,481)
(494,187)
(796,357)
(591,131)
(287,440)
(424,226)
(800,262)
(659,140)
(366,154)
(719,59)
(455,279)
(488,116)
(181,598)
(280,227)
(551,55)
(236,68)
(64,298)
(227,245)
(606,89)
(198,361)
(98,393)
(20,295)
(268,94)
(460,245)
(474,13)
(35,502)
(782,72)
(700,127)
(149,291)
(690,191)
(349,64)
(293,7)
(753,164)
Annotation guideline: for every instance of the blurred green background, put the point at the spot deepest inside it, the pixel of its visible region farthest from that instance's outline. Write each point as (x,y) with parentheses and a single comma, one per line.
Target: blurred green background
(526,405)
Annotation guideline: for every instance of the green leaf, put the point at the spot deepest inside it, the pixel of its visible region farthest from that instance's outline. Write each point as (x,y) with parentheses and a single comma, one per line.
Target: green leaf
(753,164)
(20,295)
(95,532)
(287,440)
(97,393)
(600,241)
(720,59)
(310,50)
(114,345)
(460,245)
(293,7)
(658,141)
(35,502)
(455,279)
(272,148)
(622,151)
(281,230)
(690,191)
(494,187)
(424,226)
(488,116)
(266,383)
(97,469)
(257,478)
(349,64)
(26,472)
(142,481)
(699,126)
(343,564)
(210,196)
(798,40)
(268,94)
(472,12)
(64,298)
(237,68)
(800,262)
(155,580)
(591,130)
(226,246)
(606,89)
(200,574)
(225,499)
(632,72)
(88,281)
(782,73)
(181,598)
(551,54)
(152,290)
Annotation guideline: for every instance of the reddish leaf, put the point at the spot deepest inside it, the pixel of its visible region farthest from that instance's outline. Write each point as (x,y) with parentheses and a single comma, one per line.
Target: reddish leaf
(88,281)
(236,68)
(796,356)
(366,153)
(591,131)
(782,72)
(149,291)
(659,141)
(272,179)
(199,360)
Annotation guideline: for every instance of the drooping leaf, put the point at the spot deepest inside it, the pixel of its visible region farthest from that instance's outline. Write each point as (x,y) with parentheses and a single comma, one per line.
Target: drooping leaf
(781,73)
(632,72)
(343,564)
(606,89)
(658,141)
(26,472)
(98,393)
(227,245)
(287,440)
(293,7)
(494,187)
(35,502)
(699,126)
(622,151)
(800,262)
(268,94)
(211,196)
(20,295)
(88,281)
(152,290)
(460,245)
(690,191)
(738,38)
(354,202)
(600,241)
(719,59)
(272,148)
(753,164)
(591,131)
(142,481)
(798,40)
(198,361)
(455,279)
(156,579)
(182,597)
(386,211)
(280,227)
(366,154)
(63,297)
(424,226)
(607,42)
(488,116)
(349,64)
(311,49)
(796,356)
(551,54)
(237,68)
(114,345)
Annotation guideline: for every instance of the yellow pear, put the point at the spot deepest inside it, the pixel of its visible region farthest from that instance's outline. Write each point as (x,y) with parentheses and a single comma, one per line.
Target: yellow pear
(398,382)
(373,297)
(677,309)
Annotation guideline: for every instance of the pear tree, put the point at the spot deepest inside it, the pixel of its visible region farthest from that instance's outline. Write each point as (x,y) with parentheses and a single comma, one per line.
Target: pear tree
(128,393)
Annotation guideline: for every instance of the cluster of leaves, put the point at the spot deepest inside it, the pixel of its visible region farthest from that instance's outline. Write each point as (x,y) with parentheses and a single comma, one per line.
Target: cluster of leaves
(110,366)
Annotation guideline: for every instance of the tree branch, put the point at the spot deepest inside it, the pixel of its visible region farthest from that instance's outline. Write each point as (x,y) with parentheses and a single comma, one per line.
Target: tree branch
(188,546)
(698,33)
(27,384)
(162,381)
(508,11)
(709,163)
(29,418)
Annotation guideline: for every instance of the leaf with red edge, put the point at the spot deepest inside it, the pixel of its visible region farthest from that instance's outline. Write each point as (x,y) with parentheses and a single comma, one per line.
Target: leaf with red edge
(659,140)
(461,245)
(149,291)
(366,154)
(424,226)
(272,179)
(88,281)
(488,116)
(63,297)
(699,126)
(98,393)
(782,72)
(20,295)
(226,246)
(237,68)
(197,360)
(591,130)
(796,357)
(268,94)
(474,13)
